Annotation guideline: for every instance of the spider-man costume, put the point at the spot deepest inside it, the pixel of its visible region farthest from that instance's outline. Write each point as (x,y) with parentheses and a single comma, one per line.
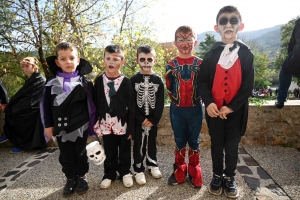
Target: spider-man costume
(186,116)
(181,77)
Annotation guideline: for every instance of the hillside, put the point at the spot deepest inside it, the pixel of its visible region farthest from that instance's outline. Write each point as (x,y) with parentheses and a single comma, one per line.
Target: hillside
(266,40)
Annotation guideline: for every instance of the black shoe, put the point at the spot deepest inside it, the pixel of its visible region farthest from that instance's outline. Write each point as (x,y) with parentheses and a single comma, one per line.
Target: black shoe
(82,185)
(279,104)
(172,180)
(215,187)
(230,189)
(69,187)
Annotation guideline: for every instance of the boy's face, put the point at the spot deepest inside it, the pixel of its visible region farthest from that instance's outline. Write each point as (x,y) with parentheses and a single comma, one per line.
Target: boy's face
(27,66)
(67,60)
(229,24)
(113,62)
(146,61)
(185,42)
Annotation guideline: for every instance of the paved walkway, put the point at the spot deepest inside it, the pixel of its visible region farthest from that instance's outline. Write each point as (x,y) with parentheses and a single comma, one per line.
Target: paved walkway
(264,172)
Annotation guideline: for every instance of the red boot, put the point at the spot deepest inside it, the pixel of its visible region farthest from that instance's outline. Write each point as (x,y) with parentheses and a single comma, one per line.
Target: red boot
(194,169)
(180,168)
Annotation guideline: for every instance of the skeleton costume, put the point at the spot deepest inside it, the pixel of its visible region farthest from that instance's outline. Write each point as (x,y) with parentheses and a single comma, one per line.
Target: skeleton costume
(67,106)
(149,96)
(226,79)
(115,107)
(186,116)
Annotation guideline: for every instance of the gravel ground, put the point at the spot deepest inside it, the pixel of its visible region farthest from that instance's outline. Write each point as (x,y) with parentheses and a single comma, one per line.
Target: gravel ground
(45,181)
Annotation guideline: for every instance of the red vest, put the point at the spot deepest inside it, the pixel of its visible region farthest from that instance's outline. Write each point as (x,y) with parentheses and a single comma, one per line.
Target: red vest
(227,83)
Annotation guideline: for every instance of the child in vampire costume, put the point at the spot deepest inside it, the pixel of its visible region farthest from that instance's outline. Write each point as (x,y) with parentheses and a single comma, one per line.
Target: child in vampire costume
(68,108)
(226,82)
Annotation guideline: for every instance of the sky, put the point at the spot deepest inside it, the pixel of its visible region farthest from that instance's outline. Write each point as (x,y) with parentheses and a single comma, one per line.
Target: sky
(168,15)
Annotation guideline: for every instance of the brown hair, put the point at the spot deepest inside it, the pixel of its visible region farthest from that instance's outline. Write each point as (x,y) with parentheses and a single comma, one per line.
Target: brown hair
(184,29)
(32,61)
(228,9)
(114,48)
(64,46)
(145,48)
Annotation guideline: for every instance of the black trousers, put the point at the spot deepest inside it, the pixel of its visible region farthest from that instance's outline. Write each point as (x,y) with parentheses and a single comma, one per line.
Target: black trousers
(73,156)
(225,138)
(118,155)
(144,146)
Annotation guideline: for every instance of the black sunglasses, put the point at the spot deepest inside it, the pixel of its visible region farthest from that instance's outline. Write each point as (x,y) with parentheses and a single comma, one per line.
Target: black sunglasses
(148,59)
(232,21)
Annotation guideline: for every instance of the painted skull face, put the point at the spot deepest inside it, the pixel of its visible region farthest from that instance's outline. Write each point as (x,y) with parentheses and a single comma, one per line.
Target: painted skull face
(185,42)
(95,152)
(146,61)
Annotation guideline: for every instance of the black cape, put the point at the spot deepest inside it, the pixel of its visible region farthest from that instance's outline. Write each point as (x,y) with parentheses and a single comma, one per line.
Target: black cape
(23,125)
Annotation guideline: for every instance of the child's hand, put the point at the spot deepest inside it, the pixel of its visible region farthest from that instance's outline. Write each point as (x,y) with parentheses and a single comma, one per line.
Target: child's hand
(145,121)
(224,110)
(212,110)
(129,137)
(148,124)
(49,132)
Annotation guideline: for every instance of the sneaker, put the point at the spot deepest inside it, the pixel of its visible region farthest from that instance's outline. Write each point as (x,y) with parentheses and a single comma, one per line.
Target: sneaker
(154,171)
(127,180)
(215,187)
(3,138)
(69,187)
(140,178)
(230,189)
(82,185)
(105,183)
(279,104)
(172,180)
(16,150)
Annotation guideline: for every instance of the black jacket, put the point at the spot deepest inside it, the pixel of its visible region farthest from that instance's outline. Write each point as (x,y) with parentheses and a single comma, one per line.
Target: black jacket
(122,105)
(207,75)
(292,62)
(155,113)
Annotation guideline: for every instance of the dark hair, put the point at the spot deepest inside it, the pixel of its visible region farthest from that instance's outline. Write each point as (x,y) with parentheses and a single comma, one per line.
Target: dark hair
(114,48)
(184,29)
(64,46)
(228,9)
(145,48)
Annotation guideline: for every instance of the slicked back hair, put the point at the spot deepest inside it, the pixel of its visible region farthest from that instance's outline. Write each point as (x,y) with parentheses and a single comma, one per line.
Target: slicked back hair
(228,9)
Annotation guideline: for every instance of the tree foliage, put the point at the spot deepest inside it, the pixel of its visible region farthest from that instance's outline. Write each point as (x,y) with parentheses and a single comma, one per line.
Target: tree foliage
(34,28)
(206,45)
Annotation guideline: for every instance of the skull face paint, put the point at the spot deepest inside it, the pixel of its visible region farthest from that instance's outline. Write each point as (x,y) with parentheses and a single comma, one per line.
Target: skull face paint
(95,152)
(185,42)
(146,61)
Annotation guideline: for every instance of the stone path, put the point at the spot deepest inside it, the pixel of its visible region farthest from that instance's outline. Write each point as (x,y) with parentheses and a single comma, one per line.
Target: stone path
(16,173)
(257,178)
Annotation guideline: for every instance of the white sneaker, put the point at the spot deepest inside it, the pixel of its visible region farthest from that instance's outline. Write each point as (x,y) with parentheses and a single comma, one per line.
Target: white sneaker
(140,178)
(154,171)
(127,180)
(105,183)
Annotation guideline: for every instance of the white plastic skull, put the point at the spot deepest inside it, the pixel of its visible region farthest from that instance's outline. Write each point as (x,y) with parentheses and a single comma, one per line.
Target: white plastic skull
(95,152)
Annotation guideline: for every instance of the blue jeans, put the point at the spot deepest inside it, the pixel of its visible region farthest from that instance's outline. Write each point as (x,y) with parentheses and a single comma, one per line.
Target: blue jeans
(284,84)
(186,124)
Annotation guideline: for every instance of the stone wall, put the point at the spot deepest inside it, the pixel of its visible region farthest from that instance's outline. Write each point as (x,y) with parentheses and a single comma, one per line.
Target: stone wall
(267,125)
